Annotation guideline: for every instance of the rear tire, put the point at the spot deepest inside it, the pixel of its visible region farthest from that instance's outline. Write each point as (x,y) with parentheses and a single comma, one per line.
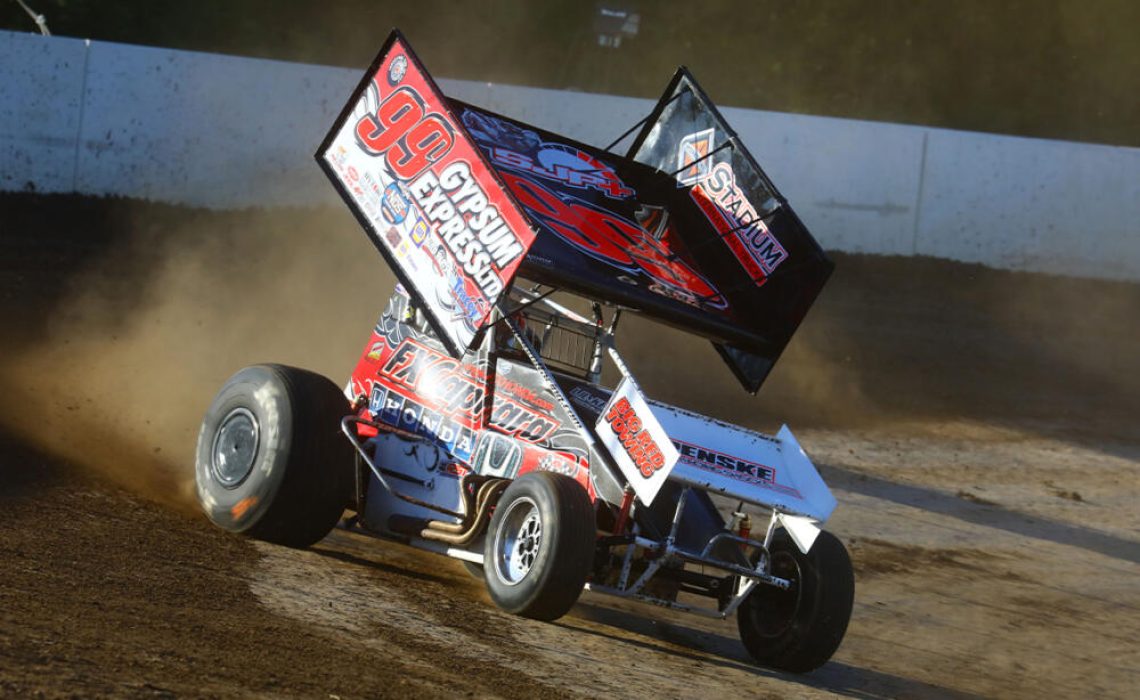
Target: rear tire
(271,462)
(540,546)
(799,629)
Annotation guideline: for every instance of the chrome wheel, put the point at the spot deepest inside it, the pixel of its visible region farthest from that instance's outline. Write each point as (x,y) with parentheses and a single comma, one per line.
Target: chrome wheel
(234,450)
(518,541)
(539,549)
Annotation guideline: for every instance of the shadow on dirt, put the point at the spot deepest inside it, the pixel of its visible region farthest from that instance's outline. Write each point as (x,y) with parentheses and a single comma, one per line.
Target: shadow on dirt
(983,514)
(836,677)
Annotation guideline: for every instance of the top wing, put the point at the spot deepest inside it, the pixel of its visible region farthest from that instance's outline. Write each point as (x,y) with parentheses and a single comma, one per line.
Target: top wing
(686,229)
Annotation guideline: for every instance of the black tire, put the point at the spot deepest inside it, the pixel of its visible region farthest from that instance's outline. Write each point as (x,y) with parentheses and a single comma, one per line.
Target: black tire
(476,570)
(540,546)
(799,629)
(271,460)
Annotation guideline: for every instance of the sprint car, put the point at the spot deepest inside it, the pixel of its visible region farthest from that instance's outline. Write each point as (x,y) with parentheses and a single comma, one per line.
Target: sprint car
(490,417)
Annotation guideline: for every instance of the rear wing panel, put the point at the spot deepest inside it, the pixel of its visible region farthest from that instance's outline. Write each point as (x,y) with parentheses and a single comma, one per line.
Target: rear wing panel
(770,266)
(425,195)
(609,227)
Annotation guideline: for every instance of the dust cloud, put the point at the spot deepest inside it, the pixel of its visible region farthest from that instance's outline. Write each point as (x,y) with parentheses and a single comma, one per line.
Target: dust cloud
(129,357)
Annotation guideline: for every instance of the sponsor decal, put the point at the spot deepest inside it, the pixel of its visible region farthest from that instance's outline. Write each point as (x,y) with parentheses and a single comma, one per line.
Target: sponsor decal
(475,234)
(419,231)
(522,150)
(718,461)
(405,413)
(446,384)
(432,374)
(552,462)
(585,397)
(353,181)
(404,252)
(520,421)
(394,205)
(725,205)
(731,466)
(465,306)
(454,470)
(372,190)
(693,156)
(637,442)
(376,399)
(519,391)
(397,70)
(375,350)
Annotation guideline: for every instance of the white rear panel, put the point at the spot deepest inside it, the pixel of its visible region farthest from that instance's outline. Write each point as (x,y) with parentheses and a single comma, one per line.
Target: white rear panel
(746,465)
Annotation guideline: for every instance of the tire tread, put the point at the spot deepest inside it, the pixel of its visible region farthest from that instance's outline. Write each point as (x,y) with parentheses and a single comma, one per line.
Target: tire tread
(303,500)
(559,587)
(819,630)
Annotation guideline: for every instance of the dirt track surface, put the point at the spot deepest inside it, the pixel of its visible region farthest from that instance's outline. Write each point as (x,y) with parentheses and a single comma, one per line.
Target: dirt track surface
(977,428)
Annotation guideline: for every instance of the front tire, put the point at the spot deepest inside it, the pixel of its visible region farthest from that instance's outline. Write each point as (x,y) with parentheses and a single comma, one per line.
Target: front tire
(540,546)
(799,629)
(271,462)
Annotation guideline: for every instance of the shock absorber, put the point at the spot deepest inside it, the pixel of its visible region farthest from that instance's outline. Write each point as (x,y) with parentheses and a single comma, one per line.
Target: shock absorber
(745,530)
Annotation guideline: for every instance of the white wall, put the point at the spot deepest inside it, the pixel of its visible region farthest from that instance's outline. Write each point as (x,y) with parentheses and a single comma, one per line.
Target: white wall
(1030,204)
(41,100)
(221,131)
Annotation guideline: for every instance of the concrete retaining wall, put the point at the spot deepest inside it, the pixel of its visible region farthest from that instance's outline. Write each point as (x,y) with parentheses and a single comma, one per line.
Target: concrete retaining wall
(221,131)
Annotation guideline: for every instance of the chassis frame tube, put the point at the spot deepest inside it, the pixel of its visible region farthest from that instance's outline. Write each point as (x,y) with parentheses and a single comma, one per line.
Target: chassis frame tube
(346,427)
(666,550)
(420,543)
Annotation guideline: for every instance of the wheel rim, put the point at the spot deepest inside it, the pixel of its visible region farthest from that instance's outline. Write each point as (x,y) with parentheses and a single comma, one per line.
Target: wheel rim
(774,612)
(235,448)
(518,541)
